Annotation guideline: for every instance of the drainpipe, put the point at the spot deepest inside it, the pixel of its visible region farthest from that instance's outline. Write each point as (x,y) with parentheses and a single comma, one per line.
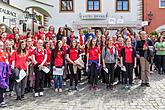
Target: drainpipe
(142,13)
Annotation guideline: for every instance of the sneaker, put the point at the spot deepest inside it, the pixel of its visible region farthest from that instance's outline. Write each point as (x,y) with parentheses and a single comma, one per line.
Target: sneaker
(60,90)
(76,88)
(41,93)
(64,83)
(110,87)
(142,84)
(36,94)
(95,88)
(70,89)
(90,87)
(18,98)
(11,94)
(3,104)
(56,90)
(147,84)
(22,96)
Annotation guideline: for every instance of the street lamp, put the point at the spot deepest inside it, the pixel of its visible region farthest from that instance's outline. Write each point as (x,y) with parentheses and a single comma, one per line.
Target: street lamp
(150,17)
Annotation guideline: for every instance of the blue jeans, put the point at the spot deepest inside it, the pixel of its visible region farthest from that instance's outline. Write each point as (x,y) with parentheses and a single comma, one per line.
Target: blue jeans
(58,81)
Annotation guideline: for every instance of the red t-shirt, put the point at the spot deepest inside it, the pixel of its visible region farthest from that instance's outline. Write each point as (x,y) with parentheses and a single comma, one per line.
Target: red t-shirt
(73,54)
(128,55)
(58,61)
(9,56)
(93,53)
(39,56)
(49,55)
(50,35)
(39,35)
(65,48)
(20,60)
(3,56)
(13,35)
(110,50)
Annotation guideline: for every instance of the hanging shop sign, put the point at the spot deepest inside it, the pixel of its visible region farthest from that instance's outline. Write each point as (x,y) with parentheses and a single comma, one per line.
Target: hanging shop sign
(93,16)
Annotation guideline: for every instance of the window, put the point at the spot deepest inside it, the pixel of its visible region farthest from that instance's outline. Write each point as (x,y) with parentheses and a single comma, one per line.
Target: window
(93,5)
(122,5)
(5,1)
(162,3)
(66,5)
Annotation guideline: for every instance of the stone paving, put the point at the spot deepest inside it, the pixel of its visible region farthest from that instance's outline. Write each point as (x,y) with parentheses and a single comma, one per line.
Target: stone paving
(138,98)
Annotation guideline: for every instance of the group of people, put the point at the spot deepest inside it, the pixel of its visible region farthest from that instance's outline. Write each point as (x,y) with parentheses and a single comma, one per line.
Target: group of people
(95,55)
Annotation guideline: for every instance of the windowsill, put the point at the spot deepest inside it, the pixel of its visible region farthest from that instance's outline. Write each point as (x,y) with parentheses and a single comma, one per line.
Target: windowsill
(161,7)
(66,11)
(122,11)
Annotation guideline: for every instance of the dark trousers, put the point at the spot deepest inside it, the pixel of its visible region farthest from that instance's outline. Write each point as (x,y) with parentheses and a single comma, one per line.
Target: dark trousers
(47,80)
(39,81)
(73,76)
(11,83)
(128,74)
(110,75)
(93,74)
(79,74)
(1,94)
(161,62)
(20,87)
(138,69)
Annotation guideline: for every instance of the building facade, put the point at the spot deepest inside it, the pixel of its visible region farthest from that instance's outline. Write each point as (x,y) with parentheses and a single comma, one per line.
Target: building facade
(99,14)
(154,13)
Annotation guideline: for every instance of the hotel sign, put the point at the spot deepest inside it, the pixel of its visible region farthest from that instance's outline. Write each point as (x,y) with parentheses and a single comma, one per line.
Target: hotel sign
(8,12)
(93,16)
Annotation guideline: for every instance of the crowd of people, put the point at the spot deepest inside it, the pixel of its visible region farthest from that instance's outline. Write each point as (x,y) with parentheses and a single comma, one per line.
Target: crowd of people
(32,62)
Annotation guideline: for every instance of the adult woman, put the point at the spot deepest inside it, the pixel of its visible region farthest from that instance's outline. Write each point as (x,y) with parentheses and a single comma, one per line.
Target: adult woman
(128,59)
(47,76)
(59,34)
(19,62)
(39,57)
(160,52)
(109,58)
(9,51)
(93,61)
(40,34)
(51,34)
(15,33)
(72,55)
(58,62)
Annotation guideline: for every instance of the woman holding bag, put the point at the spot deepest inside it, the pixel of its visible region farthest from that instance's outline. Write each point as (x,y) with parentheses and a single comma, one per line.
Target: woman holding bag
(57,65)
(19,62)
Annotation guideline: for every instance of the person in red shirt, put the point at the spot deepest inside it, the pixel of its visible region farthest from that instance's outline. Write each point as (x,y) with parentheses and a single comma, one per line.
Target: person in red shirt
(65,47)
(93,61)
(19,62)
(47,76)
(15,33)
(3,55)
(128,60)
(39,58)
(51,34)
(72,55)
(40,34)
(9,51)
(119,45)
(3,37)
(57,62)
(30,49)
(72,36)
(3,30)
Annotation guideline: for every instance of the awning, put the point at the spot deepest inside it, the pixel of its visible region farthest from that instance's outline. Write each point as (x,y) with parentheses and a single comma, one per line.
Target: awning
(160,29)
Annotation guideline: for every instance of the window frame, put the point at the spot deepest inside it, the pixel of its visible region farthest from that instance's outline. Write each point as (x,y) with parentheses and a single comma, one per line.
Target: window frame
(160,4)
(66,10)
(116,6)
(87,4)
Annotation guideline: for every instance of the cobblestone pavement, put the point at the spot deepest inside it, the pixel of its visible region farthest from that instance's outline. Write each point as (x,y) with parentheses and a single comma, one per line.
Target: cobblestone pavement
(138,98)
